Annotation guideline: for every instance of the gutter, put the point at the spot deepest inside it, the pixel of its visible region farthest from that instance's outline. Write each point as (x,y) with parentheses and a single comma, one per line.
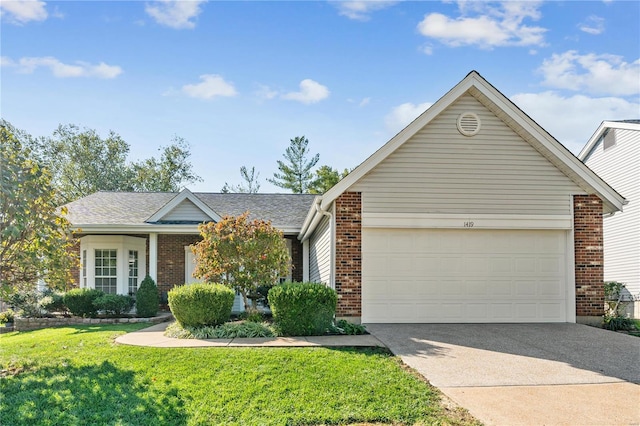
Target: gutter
(317,217)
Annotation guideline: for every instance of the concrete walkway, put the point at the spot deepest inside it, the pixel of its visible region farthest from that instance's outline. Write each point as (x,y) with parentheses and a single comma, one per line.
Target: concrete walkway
(526,374)
(154,336)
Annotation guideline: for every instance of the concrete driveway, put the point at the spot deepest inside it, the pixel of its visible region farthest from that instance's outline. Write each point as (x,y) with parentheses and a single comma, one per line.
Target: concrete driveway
(526,374)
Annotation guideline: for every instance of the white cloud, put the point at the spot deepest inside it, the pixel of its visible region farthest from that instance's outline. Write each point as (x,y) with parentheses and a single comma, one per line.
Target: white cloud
(22,11)
(364,102)
(361,10)
(486,25)
(178,14)
(596,74)
(572,120)
(401,115)
(592,25)
(266,92)
(310,92)
(59,69)
(212,85)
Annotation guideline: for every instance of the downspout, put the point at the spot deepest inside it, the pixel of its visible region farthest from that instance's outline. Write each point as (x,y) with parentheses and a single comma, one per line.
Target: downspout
(332,247)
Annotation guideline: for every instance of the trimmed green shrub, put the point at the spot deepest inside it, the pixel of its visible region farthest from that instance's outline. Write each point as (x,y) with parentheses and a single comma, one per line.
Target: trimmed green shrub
(201,304)
(302,309)
(79,301)
(114,304)
(147,298)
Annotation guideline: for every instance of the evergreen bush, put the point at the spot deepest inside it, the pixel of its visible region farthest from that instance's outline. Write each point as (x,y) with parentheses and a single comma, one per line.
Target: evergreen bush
(147,298)
(302,309)
(79,301)
(201,304)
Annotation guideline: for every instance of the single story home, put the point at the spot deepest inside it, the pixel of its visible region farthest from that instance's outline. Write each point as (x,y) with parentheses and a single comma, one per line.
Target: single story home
(613,152)
(472,213)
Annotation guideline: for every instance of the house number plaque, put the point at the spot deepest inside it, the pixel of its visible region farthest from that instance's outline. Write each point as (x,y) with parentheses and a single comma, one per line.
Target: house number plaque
(468,224)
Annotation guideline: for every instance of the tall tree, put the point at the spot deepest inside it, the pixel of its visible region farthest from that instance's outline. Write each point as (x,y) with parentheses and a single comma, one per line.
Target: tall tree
(35,239)
(251,184)
(326,177)
(295,173)
(81,163)
(170,173)
(242,254)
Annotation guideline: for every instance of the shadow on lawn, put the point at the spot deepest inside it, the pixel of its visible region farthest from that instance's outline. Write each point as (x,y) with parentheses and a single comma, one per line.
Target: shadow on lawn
(95,394)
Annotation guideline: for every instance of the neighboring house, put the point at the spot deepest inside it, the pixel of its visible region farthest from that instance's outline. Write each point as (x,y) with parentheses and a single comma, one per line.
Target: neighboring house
(472,213)
(613,152)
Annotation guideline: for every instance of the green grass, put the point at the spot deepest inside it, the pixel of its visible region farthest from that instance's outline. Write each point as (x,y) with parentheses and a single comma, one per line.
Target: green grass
(78,375)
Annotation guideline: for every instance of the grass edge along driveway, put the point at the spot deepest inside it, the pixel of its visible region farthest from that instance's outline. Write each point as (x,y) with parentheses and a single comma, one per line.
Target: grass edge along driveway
(77,375)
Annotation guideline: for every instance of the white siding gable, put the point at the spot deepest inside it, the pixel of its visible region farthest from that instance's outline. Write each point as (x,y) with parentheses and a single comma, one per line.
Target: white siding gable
(186,211)
(439,170)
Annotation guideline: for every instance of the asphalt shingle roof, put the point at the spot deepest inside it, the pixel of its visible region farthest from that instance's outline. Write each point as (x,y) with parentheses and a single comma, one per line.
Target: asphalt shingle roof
(134,208)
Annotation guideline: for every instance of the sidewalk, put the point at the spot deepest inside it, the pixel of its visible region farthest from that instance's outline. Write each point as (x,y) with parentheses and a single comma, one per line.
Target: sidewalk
(154,337)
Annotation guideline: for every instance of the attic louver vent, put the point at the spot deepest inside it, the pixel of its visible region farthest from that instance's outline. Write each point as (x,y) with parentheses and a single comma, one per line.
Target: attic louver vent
(468,124)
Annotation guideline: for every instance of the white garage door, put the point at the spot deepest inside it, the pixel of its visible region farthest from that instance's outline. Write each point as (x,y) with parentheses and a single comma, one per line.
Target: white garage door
(463,276)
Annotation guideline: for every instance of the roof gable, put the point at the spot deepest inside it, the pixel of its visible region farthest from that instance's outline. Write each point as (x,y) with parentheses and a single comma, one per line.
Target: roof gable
(510,114)
(592,143)
(184,207)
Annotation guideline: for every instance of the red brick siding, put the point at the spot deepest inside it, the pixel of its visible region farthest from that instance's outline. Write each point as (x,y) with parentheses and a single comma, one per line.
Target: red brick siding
(171,259)
(588,243)
(296,258)
(348,278)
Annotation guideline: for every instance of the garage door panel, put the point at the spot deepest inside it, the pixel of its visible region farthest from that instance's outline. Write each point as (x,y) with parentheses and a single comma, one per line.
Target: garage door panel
(550,266)
(474,266)
(428,288)
(500,265)
(477,288)
(550,288)
(420,275)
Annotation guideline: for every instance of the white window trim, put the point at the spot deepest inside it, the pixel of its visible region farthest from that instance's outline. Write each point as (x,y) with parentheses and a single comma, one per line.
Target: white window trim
(122,244)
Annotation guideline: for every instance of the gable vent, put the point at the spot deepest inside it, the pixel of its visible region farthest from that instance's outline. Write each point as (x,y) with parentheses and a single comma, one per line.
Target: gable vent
(468,124)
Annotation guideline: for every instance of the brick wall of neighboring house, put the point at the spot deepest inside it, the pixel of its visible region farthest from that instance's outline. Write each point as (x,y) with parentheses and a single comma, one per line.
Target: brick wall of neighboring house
(348,234)
(171,259)
(588,242)
(296,258)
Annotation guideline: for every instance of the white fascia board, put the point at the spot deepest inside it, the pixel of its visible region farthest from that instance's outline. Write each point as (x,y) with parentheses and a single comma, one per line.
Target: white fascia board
(612,200)
(308,220)
(183,195)
(150,228)
(135,229)
(465,221)
(405,134)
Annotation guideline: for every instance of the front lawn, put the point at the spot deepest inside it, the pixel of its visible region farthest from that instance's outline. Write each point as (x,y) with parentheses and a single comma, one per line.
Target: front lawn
(78,375)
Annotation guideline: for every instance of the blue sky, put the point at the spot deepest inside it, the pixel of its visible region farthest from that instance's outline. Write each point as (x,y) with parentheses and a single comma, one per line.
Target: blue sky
(238,80)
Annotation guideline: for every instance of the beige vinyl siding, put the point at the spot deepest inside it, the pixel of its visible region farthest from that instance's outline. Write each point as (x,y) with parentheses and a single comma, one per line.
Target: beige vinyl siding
(439,170)
(320,253)
(186,211)
(619,166)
